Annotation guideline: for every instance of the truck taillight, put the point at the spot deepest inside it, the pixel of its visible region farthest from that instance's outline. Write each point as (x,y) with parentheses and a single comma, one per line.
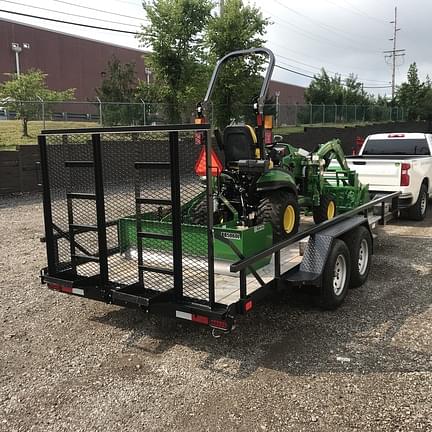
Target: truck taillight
(405,178)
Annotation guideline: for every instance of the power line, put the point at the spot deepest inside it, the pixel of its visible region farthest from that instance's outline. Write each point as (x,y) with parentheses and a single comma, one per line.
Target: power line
(294,72)
(356,11)
(68,22)
(71,14)
(309,35)
(327,27)
(313,77)
(344,75)
(99,10)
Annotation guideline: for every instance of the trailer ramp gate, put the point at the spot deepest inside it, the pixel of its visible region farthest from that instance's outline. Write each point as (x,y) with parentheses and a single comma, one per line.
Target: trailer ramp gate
(117,210)
(94,180)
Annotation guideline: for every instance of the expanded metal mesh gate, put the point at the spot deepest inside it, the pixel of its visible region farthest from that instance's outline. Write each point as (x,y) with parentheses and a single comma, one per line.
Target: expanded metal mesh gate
(121,202)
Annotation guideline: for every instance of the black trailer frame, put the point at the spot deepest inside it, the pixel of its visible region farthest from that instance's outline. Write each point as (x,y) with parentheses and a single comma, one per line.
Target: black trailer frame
(175,301)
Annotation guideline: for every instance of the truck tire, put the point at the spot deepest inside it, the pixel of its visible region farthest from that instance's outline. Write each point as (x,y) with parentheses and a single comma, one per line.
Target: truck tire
(336,276)
(417,212)
(359,242)
(326,210)
(281,209)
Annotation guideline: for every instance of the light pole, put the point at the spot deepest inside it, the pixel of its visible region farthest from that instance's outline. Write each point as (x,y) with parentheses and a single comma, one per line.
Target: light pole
(16,48)
(148,73)
(277,94)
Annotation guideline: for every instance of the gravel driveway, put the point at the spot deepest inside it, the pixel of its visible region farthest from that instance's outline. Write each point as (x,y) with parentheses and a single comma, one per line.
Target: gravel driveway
(69,364)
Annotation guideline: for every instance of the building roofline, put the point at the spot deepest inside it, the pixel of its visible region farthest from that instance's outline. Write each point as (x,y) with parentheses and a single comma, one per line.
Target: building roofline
(285,83)
(142,51)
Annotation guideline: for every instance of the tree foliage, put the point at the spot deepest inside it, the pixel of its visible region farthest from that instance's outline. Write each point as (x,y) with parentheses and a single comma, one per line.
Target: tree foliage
(119,84)
(331,90)
(415,95)
(239,27)
(29,87)
(174,33)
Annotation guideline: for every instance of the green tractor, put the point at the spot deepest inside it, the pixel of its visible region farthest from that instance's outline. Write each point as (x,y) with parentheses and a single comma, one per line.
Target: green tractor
(263,181)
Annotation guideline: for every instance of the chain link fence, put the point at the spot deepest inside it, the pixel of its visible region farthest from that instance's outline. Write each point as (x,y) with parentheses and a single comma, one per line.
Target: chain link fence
(145,113)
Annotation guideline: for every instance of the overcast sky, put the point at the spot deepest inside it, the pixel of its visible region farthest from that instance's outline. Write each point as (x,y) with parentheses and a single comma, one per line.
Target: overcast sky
(344,36)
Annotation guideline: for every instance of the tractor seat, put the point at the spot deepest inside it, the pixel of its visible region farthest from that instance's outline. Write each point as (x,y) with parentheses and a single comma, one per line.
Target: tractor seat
(239,143)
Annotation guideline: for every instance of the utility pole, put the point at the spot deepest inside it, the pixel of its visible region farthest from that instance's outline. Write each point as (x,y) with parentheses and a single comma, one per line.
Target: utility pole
(221,7)
(392,54)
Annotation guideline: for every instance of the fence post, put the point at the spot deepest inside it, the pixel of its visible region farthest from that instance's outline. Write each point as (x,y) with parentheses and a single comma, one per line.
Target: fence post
(355,113)
(310,115)
(43,110)
(335,118)
(323,113)
(100,111)
(144,112)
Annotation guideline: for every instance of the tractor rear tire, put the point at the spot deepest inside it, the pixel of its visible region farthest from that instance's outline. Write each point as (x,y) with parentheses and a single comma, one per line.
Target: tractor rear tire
(281,209)
(326,210)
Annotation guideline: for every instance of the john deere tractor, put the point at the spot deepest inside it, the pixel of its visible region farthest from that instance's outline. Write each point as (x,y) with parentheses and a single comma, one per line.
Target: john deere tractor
(266,181)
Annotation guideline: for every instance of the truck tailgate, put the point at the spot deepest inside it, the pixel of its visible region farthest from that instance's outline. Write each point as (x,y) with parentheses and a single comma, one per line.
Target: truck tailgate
(380,174)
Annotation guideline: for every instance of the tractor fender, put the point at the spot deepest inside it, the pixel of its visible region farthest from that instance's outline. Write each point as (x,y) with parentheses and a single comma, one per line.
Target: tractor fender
(276,179)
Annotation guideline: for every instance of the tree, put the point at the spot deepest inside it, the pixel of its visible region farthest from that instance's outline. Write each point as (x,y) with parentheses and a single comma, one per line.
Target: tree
(175,36)
(239,27)
(23,92)
(119,85)
(411,92)
(327,90)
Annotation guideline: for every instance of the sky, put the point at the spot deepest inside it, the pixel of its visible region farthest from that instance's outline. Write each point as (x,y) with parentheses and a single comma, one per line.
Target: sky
(343,36)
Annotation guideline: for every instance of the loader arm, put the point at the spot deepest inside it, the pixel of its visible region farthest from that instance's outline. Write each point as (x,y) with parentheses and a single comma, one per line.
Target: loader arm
(332,150)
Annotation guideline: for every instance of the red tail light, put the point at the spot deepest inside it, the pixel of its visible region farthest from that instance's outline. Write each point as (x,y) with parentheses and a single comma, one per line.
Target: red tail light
(405,178)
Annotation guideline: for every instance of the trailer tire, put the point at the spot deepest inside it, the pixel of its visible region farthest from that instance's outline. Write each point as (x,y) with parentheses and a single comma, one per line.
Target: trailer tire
(359,242)
(336,276)
(281,209)
(417,212)
(326,210)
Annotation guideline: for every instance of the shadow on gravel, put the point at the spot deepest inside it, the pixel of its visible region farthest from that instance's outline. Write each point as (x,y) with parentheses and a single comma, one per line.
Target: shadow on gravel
(20,199)
(291,335)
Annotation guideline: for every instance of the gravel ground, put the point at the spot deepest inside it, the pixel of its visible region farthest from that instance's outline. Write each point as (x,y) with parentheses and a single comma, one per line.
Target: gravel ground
(69,364)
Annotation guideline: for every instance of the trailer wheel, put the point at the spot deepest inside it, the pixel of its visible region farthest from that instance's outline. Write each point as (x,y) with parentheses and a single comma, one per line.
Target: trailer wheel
(417,212)
(281,209)
(326,210)
(360,245)
(336,276)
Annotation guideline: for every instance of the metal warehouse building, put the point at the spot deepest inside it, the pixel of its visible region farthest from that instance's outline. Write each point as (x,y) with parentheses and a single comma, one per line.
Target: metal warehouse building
(77,62)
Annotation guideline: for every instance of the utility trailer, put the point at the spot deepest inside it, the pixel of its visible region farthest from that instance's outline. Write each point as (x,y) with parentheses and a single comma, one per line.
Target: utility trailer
(100,188)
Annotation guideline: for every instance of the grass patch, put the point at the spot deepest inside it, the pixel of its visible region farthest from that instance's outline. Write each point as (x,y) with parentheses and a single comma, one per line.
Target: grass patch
(10,131)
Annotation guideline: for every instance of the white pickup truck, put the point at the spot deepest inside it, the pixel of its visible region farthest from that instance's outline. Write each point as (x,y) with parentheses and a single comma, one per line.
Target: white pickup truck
(398,162)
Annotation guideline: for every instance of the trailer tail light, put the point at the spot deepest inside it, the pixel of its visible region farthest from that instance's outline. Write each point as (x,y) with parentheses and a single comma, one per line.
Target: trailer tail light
(248,305)
(215,164)
(65,289)
(405,178)
(200,319)
(218,324)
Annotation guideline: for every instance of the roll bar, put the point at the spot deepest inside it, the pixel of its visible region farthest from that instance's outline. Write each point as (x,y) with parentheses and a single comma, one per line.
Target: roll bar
(241,53)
